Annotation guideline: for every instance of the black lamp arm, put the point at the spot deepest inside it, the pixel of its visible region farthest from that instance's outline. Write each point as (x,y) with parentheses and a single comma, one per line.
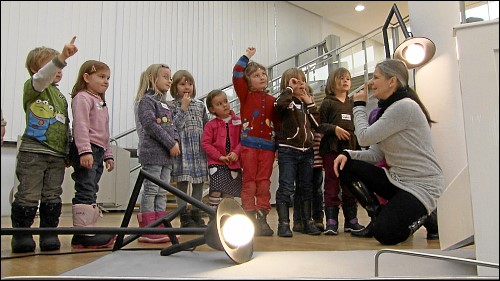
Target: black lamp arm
(394,11)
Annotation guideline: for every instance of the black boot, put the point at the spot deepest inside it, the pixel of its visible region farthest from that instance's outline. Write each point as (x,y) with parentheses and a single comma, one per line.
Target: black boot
(309,226)
(186,220)
(196,217)
(366,232)
(22,216)
(332,220)
(298,225)
(351,219)
(264,228)
(283,220)
(431,224)
(49,217)
(369,201)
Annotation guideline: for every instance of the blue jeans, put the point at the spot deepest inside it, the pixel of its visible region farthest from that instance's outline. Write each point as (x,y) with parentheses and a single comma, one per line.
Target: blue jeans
(40,178)
(295,167)
(87,180)
(154,198)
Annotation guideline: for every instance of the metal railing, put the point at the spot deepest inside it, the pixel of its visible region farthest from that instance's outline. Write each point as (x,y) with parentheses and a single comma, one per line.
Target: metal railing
(430,256)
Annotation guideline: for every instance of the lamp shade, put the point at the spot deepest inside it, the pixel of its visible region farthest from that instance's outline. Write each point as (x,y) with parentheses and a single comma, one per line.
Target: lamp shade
(239,251)
(415,51)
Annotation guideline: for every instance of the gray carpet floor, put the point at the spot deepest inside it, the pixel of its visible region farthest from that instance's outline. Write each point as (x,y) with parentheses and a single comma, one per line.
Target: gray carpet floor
(274,265)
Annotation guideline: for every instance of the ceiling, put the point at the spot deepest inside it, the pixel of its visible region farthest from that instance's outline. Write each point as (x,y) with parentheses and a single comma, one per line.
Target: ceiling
(342,13)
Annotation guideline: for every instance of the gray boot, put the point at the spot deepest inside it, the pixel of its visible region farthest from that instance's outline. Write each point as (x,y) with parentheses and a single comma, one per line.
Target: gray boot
(263,226)
(22,216)
(49,217)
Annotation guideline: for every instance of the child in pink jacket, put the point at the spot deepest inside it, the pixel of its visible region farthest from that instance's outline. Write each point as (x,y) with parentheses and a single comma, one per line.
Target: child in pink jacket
(221,143)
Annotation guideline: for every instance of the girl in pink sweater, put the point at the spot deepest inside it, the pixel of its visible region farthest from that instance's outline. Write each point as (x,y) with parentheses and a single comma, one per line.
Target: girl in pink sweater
(90,149)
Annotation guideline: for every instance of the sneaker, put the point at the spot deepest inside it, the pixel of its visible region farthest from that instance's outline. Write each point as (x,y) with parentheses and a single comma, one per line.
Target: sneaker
(353,227)
(332,228)
(366,232)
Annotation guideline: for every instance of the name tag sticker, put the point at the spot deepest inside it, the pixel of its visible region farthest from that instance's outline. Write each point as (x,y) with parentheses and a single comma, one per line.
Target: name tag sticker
(346,117)
(236,122)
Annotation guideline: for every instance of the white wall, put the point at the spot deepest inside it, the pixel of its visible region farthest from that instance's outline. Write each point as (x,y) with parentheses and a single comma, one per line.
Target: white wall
(204,37)
(441,88)
(478,50)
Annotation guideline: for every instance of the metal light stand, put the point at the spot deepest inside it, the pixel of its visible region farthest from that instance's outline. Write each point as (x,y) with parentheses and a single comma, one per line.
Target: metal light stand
(166,220)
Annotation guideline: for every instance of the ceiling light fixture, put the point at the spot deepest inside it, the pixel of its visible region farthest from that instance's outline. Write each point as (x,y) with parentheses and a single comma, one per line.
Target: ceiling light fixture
(359,7)
(414,51)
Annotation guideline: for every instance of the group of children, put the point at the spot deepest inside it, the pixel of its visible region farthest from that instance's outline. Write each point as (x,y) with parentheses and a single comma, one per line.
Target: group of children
(178,143)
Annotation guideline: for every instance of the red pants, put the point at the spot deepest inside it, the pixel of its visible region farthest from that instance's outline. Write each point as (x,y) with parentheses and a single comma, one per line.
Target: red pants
(257,167)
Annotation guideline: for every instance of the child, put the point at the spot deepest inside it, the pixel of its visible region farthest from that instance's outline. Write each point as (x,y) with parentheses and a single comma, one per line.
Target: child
(257,139)
(337,125)
(298,113)
(41,160)
(158,145)
(221,142)
(317,192)
(89,149)
(190,117)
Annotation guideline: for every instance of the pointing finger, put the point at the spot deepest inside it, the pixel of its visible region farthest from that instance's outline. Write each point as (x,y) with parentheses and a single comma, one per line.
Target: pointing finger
(73,40)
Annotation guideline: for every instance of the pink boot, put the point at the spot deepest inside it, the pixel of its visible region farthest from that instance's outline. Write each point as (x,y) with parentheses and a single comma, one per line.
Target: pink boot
(148,218)
(160,215)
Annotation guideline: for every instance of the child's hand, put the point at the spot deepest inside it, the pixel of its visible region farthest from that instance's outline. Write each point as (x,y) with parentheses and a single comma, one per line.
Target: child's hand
(110,165)
(250,52)
(341,133)
(69,50)
(224,159)
(175,151)
(87,160)
(186,99)
(232,157)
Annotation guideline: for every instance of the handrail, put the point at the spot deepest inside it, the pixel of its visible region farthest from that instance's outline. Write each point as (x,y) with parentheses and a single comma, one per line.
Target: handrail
(432,256)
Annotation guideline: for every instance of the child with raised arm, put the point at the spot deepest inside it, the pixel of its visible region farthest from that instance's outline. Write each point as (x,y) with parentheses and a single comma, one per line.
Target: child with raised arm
(221,142)
(190,117)
(89,149)
(337,125)
(298,115)
(41,161)
(258,144)
(158,144)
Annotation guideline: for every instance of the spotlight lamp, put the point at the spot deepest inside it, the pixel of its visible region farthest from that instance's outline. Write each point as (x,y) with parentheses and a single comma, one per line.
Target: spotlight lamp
(414,51)
(230,230)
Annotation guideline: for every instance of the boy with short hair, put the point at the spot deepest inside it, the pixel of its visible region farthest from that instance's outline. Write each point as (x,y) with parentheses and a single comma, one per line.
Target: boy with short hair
(41,161)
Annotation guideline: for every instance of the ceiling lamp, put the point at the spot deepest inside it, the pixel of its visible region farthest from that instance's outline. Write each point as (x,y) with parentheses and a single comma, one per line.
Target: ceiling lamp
(414,51)
(359,7)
